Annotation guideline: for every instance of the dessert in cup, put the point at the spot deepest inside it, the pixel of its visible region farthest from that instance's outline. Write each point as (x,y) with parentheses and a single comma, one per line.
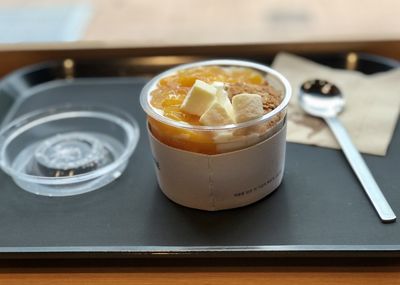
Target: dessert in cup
(217,131)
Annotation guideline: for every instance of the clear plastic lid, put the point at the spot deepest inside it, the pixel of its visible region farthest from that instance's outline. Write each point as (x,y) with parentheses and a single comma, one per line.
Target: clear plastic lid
(67,150)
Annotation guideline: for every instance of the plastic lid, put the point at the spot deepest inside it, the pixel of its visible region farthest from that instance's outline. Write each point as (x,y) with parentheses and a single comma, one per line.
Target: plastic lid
(68,150)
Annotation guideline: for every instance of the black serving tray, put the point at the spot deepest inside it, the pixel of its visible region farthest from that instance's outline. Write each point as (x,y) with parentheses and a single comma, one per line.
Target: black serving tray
(320,210)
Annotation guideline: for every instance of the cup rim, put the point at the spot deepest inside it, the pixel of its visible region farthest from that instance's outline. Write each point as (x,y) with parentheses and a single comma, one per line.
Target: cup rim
(152,84)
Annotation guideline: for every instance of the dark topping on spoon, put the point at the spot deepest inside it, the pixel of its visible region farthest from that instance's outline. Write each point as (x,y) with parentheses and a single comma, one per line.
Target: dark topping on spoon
(320,87)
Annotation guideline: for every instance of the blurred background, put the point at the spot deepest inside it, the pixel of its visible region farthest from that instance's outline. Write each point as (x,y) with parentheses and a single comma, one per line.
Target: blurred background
(33,31)
(141,23)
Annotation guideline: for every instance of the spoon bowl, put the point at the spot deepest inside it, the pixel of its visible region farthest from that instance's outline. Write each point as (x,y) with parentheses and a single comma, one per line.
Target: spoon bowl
(321,98)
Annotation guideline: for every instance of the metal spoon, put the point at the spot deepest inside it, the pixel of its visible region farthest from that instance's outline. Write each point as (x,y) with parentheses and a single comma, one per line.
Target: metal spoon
(322,99)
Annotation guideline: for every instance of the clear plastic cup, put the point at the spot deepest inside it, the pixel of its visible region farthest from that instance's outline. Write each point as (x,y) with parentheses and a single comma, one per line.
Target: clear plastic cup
(183,148)
(217,139)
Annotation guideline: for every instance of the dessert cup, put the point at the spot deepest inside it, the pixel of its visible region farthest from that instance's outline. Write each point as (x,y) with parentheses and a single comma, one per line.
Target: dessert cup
(219,167)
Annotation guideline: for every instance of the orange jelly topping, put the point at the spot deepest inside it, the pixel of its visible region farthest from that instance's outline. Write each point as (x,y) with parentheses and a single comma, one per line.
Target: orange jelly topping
(172,90)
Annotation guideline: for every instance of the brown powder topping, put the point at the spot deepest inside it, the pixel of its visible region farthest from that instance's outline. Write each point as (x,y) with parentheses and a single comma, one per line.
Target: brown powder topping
(270,97)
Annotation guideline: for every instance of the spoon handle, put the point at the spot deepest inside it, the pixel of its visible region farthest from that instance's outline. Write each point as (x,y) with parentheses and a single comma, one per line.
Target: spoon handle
(364,175)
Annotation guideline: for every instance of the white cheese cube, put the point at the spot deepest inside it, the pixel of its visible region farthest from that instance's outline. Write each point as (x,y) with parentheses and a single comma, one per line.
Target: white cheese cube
(218,84)
(216,115)
(222,98)
(247,107)
(199,98)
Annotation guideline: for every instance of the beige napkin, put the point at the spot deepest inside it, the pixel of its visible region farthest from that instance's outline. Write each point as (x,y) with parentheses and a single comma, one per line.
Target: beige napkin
(371,111)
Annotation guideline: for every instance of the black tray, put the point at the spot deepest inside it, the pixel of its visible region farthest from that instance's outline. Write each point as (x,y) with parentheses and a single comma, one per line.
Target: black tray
(320,210)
